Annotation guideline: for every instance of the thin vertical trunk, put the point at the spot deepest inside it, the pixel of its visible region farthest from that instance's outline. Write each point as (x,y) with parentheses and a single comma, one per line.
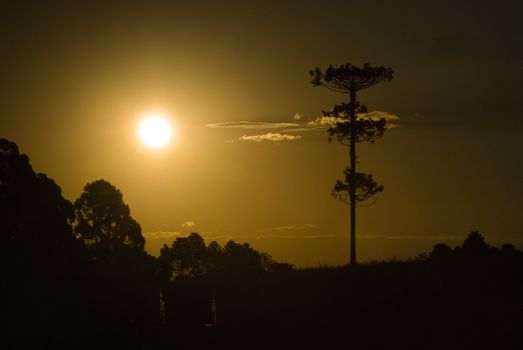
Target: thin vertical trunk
(352,180)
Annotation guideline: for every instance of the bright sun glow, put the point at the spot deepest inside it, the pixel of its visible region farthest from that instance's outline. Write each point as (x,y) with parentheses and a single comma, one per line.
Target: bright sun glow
(155,131)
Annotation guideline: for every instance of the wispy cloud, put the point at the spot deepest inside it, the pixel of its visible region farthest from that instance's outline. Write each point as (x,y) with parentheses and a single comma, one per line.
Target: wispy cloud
(284,235)
(276,236)
(274,137)
(376,115)
(288,227)
(322,122)
(161,235)
(325,122)
(251,125)
(188,224)
(286,232)
(411,237)
(288,130)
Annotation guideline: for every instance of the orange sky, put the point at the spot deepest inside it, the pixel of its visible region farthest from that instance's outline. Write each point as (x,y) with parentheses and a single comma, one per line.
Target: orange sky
(77,79)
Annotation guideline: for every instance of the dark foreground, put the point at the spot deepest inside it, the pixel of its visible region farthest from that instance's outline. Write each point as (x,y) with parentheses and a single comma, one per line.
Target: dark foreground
(425,304)
(415,305)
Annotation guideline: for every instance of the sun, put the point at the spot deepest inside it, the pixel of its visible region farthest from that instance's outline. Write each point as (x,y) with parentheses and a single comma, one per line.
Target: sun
(155,131)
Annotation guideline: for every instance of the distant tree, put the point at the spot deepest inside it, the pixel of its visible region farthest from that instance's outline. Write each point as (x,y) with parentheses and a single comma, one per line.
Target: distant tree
(509,251)
(475,244)
(280,267)
(187,256)
(104,222)
(194,275)
(508,248)
(242,258)
(352,125)
(190,257)
(440,250)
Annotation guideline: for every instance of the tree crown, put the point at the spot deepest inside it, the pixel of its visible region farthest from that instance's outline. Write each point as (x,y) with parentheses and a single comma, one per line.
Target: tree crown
(367,128)
(364,185)
(104,221)
(347,77)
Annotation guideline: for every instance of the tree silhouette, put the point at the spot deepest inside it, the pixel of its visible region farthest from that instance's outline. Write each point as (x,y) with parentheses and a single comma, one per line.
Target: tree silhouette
(242,258)
(187,256)
(35,219)
(475,243)
(352,125)
(104,222)
(125,284)
(190,257)
(440,251)
(42,264)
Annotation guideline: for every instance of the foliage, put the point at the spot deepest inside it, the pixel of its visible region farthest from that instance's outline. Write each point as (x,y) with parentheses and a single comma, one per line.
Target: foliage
(125,287)
(187,256)
(365,187)
(103,220)
(32,208)
(347,77)
(475,243)
(474,249)
(190,257)
(440,251)
(365,129)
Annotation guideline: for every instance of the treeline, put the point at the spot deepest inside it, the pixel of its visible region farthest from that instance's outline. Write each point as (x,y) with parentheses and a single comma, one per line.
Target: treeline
(463,297)
(77,274)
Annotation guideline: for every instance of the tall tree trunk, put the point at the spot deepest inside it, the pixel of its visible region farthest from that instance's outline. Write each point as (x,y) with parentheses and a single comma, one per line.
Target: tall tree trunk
(352,180)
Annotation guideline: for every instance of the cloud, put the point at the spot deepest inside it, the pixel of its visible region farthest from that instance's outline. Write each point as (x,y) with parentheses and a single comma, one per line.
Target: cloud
(287,129)
(251,125)
(391,118)
(411,237)
(188,224)
(283,232)
(289,227)
(324,122)
(276,235)
(376,115)
(274,137)
(296,236)
(161,235)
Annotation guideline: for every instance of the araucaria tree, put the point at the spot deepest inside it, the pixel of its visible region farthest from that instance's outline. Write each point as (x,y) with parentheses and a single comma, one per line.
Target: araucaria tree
(351,124)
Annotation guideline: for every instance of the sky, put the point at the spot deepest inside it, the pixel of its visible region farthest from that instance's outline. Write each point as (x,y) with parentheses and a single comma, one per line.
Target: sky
(247,161)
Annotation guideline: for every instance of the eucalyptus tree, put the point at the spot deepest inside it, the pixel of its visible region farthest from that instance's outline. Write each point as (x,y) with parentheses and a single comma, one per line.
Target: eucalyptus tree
(350,125)
(104,222)
(125,287)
